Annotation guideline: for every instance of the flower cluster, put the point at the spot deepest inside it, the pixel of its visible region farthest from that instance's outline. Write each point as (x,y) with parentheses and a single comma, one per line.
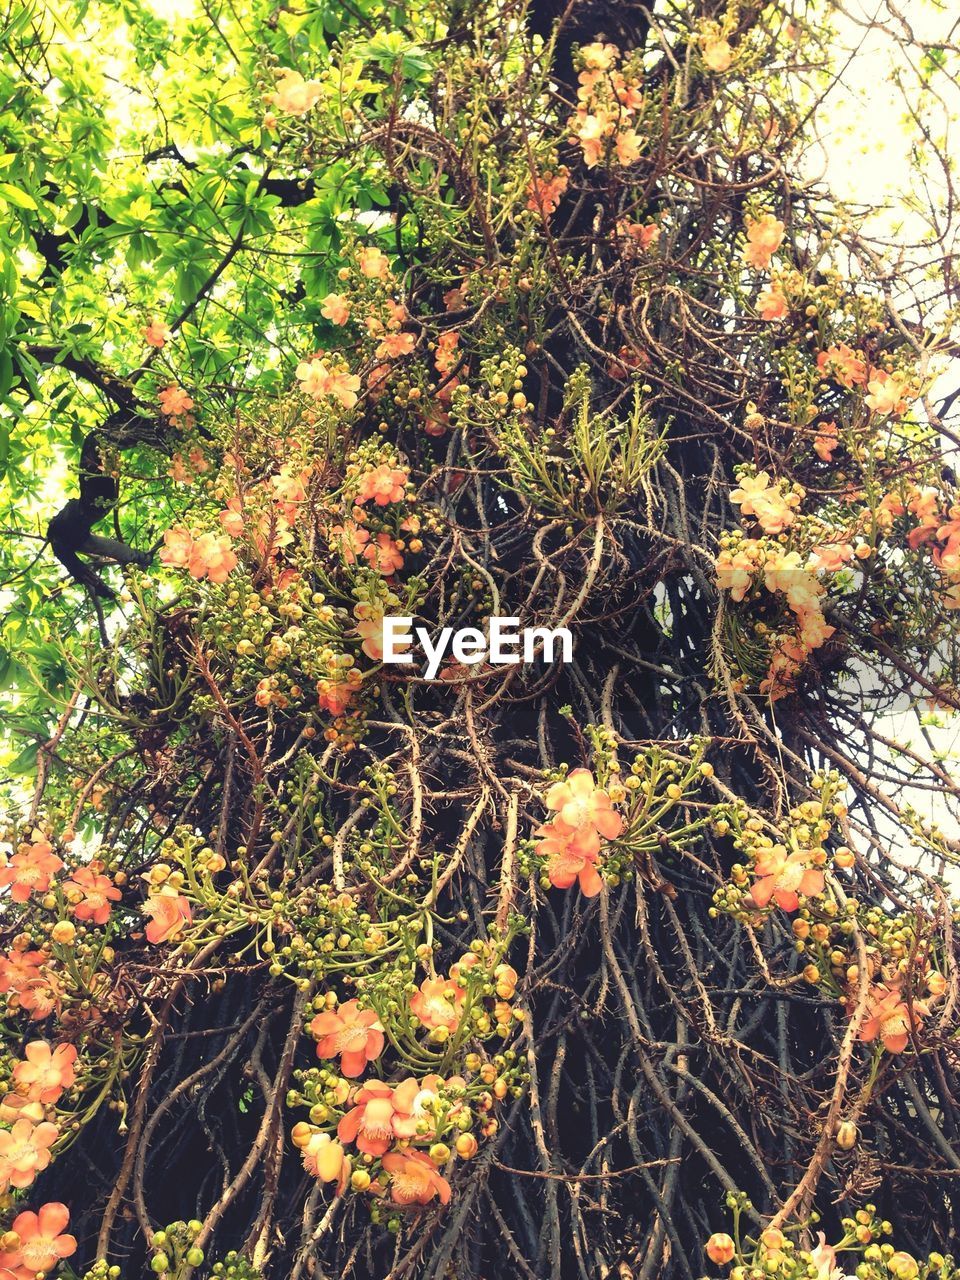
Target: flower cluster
(610,102)
(393,1139)
(861,1253)
(785,865)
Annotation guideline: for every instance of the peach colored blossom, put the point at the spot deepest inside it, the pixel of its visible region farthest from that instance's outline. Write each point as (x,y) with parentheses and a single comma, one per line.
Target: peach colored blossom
(14,1107)
(177,547)
(843,365)
(544,193)
(174,401)
(213,557)
(294,95)
(320,382)
(370,630)
(384,555)
(30,870)
(157,334)
(381,1113)
(42,1242)
(18,968)
(44,1073)
(395,345)
(628,143)
(826,441)
(384,484)
(414,1179)
(831,557)
(335,308)
(735,572)
(355,1034)
(374,264)
(571,857)
(599,57)
(757,497)
(41,996)
(889,1017)
(231,518)
(90,895)
(644,234)
(25,1151)
(170,912)
(764,238)
(438,1003)
(582,805)
(334,695)
(772,302)
(782,876)
(887,392)
(591,129)
(350,539)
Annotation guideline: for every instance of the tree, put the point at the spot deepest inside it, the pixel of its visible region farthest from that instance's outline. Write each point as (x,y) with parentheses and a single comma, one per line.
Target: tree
(320,963)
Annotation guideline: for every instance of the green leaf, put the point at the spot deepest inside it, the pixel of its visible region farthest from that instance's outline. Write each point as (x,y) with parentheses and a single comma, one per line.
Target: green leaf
(13,195)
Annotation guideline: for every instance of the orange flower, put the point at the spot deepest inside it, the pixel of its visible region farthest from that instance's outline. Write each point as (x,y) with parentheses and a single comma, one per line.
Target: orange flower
(91,894)
(599,57)
(320,382)
(41,996)
(350,539)
(756,497)
(177,547)
(41,1245)
(156,334)
(843,365)
(374,264)
(764,238)
(25,1152)
(334,695)
(45,1072)
(30,870)
(543,194)
(826,441)
(380,1114)
(294,95)
(18,968)
(782,877)
(169,912)
(231,518)
(890,1017)
(384,484)
(384,555)
(888,392)
(438,1003)
(414,1179)
(644,234)
(628,143)
(174,401)
(370,629)
(772,302)
(395,345)
(355,1034)
(446,356)
(571,857)
(335,308)
(584,806)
